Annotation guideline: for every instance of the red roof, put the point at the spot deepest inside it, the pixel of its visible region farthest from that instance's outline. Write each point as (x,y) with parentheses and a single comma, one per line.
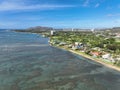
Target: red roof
(95,53)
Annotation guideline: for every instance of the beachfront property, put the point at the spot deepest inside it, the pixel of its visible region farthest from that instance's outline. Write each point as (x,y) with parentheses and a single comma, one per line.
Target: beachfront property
(95,53)
(98,44)
(106,56)
(62,43)
(77,46)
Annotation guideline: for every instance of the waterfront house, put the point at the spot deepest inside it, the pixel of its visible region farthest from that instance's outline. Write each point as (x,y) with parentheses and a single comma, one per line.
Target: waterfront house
(70,46)
(95,53)
(77,46)
(106,56)
(62,43)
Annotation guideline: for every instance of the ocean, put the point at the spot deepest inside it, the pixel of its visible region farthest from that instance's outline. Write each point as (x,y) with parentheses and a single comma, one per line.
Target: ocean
(27,62)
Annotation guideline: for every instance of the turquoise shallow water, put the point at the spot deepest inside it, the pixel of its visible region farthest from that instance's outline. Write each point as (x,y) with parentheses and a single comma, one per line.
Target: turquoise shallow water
(27,62)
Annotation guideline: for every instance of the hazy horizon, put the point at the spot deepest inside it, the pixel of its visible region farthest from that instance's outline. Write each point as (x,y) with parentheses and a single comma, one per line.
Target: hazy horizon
(23,14)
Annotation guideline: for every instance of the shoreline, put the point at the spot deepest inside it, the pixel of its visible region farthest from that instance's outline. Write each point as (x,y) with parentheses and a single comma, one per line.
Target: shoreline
(87,56)
(91,58)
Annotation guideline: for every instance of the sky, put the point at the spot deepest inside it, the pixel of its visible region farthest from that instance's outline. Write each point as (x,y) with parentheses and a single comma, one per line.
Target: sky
(59,13)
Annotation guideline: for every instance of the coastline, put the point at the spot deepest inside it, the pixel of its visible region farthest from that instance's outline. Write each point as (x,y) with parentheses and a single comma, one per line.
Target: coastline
(91,58)
(87,56)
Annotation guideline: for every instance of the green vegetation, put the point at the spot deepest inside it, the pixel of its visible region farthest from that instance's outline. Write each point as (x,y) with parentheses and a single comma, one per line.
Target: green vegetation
(95,43)
(90,40)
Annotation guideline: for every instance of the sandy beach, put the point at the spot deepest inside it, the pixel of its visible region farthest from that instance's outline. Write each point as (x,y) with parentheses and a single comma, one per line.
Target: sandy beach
(93,59)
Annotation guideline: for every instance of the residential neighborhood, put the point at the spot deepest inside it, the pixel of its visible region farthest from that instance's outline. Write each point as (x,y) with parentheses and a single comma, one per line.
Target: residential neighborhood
(97,44)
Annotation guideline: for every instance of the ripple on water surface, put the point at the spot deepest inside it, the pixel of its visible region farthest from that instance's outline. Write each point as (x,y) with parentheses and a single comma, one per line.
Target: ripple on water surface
(37,66)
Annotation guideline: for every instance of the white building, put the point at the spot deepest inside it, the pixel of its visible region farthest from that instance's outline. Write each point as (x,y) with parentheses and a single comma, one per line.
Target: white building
(93,30)
(106,56)
(52,32)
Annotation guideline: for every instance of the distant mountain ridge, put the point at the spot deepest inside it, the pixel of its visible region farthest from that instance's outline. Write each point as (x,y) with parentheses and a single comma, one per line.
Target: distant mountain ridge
(40,28)
(37,29)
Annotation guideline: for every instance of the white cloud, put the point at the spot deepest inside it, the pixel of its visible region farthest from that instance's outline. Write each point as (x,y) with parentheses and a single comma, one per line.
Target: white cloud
(7,24)
(86,3)
(90,3)
(97,5)
(112,15)
(6,6)
(117,21)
